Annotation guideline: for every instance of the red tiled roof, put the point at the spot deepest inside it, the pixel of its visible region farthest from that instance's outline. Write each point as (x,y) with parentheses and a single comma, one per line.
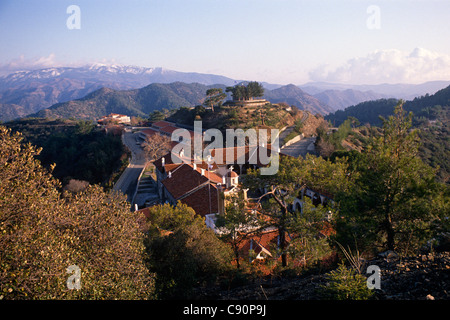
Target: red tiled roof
(260,242)
(204,165)
(183,180)
(191,187)
(168,129)
(200,200)
(232,174)
(149,131)
(145,212)
(241,155)
(167,160)
(214,177)
(161,124)
(171,167)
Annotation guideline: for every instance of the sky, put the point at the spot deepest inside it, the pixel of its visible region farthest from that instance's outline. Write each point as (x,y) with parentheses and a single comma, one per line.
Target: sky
(275,41)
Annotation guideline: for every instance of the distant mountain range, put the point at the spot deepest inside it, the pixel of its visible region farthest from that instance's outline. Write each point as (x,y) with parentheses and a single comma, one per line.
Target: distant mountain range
(399,91)
(28,92)
(156,96)
(369,112)
(295,96)
(340,99)
(136,102)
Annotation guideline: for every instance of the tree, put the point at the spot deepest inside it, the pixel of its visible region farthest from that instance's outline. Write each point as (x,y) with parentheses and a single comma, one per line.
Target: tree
(106,243)
(281,189)
(157,115)
(183,251)
(255,90)
(393,203)
(354,121)
(214,96)
(309,230)
(236,224)
(251,90)
(43,233)
(275,201)
(156,145)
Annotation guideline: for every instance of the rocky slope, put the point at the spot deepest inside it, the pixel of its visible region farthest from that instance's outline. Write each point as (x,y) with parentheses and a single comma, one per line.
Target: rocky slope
(422,277)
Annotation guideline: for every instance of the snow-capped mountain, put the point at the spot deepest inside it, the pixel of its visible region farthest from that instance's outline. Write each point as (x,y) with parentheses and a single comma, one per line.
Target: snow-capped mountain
(138,76)
(38,89)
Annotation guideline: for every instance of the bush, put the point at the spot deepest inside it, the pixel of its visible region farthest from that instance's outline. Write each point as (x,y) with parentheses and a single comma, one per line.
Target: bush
(345,284)
(183,252)
(44,233)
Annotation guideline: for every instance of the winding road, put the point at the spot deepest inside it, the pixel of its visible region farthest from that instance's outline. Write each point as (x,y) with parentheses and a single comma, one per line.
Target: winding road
(128,180)
(300,148)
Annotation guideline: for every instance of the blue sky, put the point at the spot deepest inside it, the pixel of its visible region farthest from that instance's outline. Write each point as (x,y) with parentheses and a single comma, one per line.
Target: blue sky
(278,41)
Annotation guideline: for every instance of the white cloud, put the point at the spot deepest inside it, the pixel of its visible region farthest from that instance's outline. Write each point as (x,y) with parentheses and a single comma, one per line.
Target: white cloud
(23,64)
(388,66)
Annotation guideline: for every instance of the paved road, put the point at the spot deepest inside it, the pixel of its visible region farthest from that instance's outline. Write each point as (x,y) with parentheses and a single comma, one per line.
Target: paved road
(288,130)
(285,133)
(128,180)
(300,148)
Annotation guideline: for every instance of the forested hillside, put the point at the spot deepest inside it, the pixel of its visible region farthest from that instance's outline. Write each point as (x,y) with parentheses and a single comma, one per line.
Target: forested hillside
(78,149)
(431,116)
(427,106)
(139,102)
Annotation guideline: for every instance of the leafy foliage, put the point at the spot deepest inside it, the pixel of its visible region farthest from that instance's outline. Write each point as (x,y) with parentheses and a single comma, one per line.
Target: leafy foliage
(308,228)
(43,233)
(365,112)
(293,175)
(156,146)
(431,116)
(244,117)
(246,92)
(183,252)
(237,224)
(214,96)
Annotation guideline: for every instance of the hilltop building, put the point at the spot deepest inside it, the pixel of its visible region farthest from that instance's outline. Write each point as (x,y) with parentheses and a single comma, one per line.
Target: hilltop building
(114,118)
(248,103)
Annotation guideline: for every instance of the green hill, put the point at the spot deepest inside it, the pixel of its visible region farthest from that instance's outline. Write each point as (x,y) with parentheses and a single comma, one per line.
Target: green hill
(237,116)
(138,102)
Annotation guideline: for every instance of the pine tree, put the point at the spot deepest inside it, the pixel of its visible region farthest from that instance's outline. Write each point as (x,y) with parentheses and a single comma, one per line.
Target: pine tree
(391,205)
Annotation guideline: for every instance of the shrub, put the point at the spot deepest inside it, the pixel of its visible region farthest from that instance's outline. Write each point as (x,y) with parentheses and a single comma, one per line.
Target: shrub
(345,284)
(42,234)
